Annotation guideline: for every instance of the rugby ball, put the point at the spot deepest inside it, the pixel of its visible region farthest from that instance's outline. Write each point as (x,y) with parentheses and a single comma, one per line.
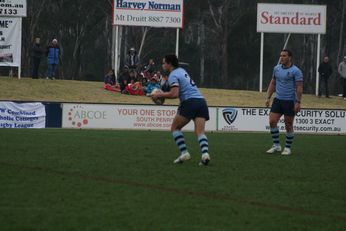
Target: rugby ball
(158,101)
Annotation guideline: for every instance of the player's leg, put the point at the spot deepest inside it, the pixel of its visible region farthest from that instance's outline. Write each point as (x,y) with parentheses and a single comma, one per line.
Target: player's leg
(178,123)
(274,117)
(201,115)
(289,134)
(202,139)
(289,114)
(274,131)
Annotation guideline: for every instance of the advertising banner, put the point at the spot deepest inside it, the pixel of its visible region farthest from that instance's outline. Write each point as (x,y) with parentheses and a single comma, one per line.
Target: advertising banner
(153,13)
(291,18)
(13,8)
(307,121)
(22,115)
(125,117)
(10,41)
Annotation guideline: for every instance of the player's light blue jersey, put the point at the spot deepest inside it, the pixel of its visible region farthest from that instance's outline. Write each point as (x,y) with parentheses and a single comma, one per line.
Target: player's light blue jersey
(187,87)
(286,79)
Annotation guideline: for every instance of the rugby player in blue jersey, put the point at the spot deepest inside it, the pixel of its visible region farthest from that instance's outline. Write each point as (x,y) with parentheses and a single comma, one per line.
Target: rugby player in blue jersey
(192,107)
(287,81)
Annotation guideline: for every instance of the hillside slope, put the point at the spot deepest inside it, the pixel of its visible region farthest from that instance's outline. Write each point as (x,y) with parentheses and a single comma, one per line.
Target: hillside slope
(92,92)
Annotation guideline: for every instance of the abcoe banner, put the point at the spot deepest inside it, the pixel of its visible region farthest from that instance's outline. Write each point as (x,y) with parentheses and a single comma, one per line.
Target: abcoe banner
(152,13)
(22,115)
(10,41)
(125,117)
(306,121)
(291,18)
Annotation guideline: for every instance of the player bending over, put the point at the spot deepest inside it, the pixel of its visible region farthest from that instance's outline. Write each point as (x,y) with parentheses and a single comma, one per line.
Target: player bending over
(288,82)
(192,107)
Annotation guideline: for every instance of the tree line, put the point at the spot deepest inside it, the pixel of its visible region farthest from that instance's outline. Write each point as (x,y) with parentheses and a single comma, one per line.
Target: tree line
(219,41)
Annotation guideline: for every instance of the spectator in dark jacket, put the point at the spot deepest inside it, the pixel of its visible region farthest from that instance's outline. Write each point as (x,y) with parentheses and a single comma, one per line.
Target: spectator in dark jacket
(133,76)
(325,70)
(110,78)
(36,55)
(109,82)
(53,54)
(124,79)
(132,60)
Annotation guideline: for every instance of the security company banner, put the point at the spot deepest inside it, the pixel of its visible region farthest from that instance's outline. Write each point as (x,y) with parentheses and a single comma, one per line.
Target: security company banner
(153,13)
(257,119)
(22,115)
(13,8)
(10,41)
(125,117)
(291,18)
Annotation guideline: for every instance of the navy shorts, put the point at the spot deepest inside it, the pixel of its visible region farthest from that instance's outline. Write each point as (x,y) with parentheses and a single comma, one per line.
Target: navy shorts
(283,107)
(193,108)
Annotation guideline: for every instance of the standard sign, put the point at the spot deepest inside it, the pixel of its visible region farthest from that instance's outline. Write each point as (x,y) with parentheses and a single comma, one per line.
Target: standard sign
(291,18)
(13,8)
(153,13)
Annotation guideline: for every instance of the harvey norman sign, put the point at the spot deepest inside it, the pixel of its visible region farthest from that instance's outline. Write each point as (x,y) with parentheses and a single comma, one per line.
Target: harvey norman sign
(290,18)
(153,13)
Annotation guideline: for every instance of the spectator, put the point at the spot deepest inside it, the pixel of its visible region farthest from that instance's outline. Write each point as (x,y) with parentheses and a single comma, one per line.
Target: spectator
(124,79)
(342,72)
(133,76)
(132,60)
(158,75)
(36,55)
(153,84)
(109,82)
(53,54)
(134,89)
(164,83)
(325,70)
(149,69)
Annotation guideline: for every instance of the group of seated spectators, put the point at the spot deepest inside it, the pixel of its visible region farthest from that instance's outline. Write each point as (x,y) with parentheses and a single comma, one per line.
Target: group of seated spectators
(136,81)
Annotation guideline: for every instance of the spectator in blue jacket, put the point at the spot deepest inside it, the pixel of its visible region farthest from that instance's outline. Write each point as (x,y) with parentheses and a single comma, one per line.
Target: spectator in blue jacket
(53,54)
(153,84)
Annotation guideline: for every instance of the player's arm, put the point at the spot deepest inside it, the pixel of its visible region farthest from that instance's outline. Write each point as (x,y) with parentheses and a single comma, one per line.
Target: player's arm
(172,94)
(299,93)
(270,91)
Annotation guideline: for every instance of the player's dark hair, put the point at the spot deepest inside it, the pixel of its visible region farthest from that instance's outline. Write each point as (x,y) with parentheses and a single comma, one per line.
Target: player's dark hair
(172,59)
(289,53)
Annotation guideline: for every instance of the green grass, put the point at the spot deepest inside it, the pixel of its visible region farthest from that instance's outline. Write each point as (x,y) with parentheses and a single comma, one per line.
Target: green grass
(125,180)
(92,92)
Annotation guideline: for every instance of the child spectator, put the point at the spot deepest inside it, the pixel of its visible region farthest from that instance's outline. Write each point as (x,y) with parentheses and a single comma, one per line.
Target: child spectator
(134,89)
(164,83)
(149,69)
(109,82)
(133,76)
(124,79)
(153,84)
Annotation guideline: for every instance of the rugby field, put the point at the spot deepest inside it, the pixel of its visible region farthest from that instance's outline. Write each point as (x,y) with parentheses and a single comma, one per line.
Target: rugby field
(56,179)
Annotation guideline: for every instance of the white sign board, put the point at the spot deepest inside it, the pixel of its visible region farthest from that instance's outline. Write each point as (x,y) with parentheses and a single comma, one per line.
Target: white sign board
(291,18)
(307,121)
(22,115)
(10,41)
(153,13)
(13,8)
(125,117)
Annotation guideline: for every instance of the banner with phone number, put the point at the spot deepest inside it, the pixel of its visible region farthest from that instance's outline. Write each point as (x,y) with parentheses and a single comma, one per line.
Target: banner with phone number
(306,121)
